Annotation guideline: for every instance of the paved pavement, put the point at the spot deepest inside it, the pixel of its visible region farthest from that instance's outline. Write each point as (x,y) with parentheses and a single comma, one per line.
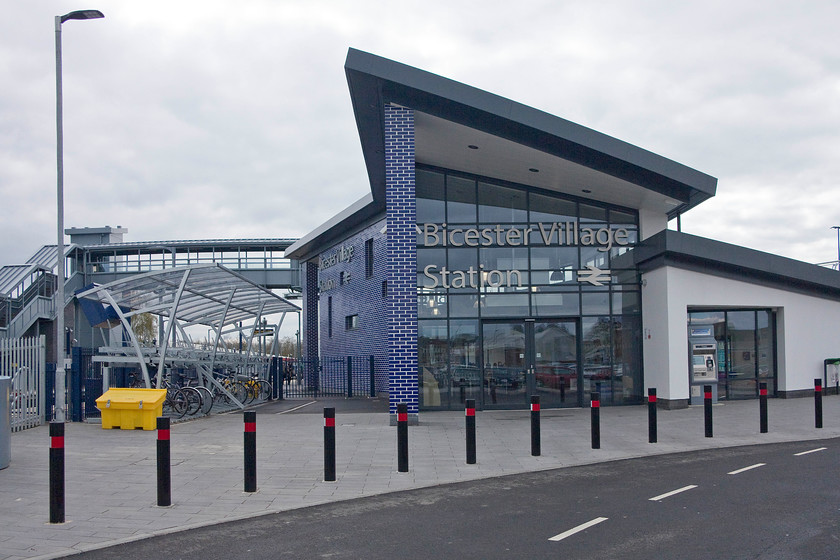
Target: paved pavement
(111,474)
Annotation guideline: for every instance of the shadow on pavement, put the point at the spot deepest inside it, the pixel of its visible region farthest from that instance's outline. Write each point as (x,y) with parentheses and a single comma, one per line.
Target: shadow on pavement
(316,406)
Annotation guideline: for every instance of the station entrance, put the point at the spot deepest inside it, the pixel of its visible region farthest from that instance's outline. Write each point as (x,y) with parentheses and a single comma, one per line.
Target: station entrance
(529,357)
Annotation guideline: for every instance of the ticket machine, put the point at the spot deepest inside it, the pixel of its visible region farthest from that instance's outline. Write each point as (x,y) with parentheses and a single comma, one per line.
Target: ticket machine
(704,367)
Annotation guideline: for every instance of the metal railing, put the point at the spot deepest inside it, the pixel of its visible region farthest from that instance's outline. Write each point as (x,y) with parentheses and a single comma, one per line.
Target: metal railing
(124,264)
(348,376)
(24,360)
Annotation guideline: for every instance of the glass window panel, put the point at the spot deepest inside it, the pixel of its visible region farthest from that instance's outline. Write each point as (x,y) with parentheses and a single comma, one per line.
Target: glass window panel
(740,330)
(463,259)
(557,304)
(542,234)
(546,279)
(706,318)
(554,258)
(504,258)
(592,256)
(623,238)
(624,276)
(504,363)
(625,301)
(590,213)
(505,305)
(595,303)
(463,361)
(626,386)
(432,353)
(766,363)
(424,283)
(460,200)
(624,218)
(431,306)
(550,209)
(429,193)
(425,257)
(463,305)
(499,205)
(597,352)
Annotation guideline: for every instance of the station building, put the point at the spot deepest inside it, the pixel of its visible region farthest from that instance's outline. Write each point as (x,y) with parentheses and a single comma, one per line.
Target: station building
(503,252)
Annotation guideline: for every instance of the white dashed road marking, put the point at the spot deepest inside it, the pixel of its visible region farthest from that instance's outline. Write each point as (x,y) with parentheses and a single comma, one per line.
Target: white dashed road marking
(751,467)
(671,493)
(811,451)
(578,529)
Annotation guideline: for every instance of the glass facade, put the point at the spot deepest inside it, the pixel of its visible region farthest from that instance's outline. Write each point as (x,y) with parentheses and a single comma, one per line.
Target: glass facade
(520,292)
(745,343)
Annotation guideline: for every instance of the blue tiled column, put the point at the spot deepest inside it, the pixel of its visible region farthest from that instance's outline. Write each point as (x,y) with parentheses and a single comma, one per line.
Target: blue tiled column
(402,260)
(309,350)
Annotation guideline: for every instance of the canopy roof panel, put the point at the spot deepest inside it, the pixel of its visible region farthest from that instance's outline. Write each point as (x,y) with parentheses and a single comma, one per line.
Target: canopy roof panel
(207,288)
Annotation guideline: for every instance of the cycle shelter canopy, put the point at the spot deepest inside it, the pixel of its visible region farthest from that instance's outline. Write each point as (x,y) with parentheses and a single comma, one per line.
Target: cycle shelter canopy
(205,294)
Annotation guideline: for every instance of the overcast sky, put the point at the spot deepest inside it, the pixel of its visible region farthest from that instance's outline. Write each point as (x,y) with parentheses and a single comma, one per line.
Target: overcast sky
(210,119)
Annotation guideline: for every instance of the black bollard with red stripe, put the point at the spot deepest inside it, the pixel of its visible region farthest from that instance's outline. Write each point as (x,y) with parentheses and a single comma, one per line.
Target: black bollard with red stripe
(818,413)
(762,407)
(164,476)
(707,409)
(470,425)
(402,437)
(250,418)
(535,425)
(652,431)
(596,420)
(56,472)
(329,444)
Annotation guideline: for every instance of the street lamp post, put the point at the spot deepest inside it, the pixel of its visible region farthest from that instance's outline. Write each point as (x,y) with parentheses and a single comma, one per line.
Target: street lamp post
(60,373)
(838,245)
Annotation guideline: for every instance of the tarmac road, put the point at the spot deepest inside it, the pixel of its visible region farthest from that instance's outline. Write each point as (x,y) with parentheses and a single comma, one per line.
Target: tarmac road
(772,501)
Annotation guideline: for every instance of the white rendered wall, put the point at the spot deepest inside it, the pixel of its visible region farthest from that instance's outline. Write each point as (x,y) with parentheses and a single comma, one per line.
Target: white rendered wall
(651,223)
(807,327)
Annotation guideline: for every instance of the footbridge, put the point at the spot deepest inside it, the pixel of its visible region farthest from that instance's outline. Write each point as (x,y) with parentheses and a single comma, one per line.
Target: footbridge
(99,256)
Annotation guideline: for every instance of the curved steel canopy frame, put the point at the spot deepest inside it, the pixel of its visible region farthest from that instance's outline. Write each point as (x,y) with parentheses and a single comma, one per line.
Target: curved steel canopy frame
(206,294)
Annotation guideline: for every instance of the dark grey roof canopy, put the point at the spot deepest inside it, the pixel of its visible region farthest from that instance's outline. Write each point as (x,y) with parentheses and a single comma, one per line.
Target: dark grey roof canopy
(375,81)
(512,140)
(690,252)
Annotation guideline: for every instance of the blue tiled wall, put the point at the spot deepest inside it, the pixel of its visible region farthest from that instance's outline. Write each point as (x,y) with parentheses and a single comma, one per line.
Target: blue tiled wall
(357,295)
(402,258)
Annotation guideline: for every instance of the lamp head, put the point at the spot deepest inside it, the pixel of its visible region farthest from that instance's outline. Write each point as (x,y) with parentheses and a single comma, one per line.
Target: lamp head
(83,14)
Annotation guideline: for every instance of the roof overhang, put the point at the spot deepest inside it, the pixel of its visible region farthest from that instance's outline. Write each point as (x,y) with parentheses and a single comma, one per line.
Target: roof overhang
(670,248)
(511,139)
(359,214)
(210,294)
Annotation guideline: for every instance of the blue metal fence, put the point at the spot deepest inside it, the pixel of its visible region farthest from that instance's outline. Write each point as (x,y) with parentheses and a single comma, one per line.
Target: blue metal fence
(349,376)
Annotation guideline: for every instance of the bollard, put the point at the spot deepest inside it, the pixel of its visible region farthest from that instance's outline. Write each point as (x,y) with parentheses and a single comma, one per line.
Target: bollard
(164,476)
(56,472)
(535,425)
(470,425)
(762,407)
(402,437)
(250,418)
(818,415)
(707,407)
(652,416)
(596,420)
(329,444)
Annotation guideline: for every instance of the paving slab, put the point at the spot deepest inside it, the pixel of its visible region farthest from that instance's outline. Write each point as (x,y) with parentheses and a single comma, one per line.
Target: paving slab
(111,484)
